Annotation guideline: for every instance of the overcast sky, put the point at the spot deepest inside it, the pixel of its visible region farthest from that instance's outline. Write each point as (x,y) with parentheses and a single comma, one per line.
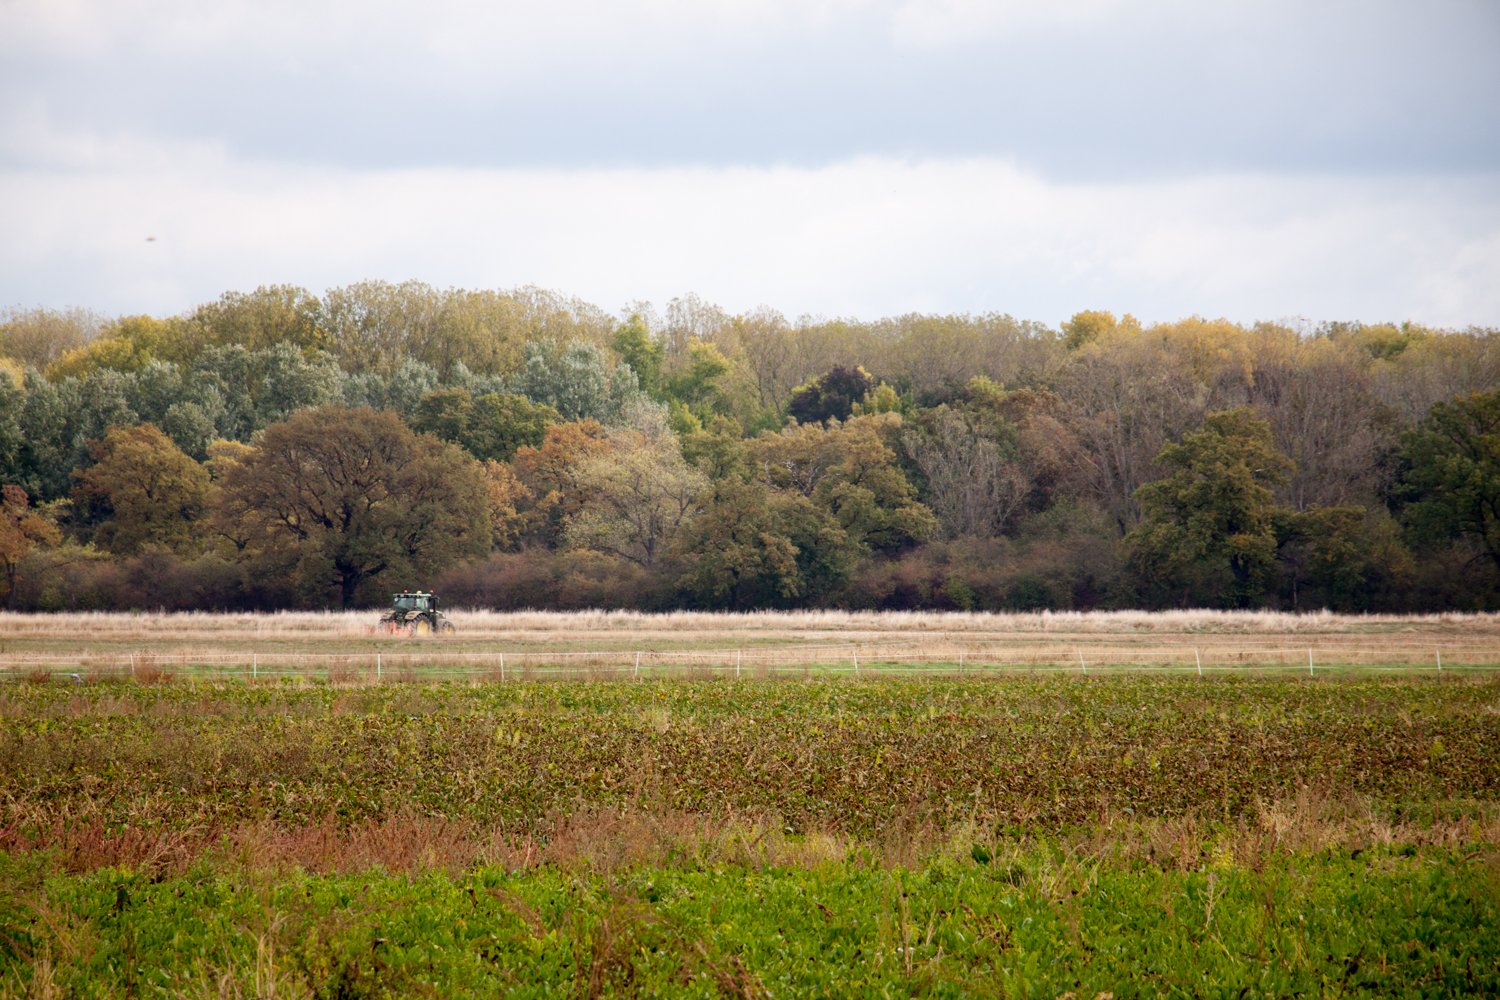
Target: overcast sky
(1255,160)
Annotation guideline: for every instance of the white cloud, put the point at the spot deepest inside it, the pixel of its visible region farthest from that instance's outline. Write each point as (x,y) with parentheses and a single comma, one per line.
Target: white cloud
(861,237)
(488,31)
(926,24)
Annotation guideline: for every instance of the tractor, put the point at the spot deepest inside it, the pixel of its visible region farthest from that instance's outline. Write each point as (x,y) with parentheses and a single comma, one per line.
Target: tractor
(414,613)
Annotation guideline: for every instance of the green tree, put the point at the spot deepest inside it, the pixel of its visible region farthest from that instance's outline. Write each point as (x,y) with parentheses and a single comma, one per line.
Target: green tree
(1339,557)
(12,405)
(755,547)
(638,349)
(576,380)
(400,388)
(831,396)
(491,428)
(719,451)
(1213,520)
(142,490)
(504,423)
(695,386)
(40,454)
(340,497)
(1452,473)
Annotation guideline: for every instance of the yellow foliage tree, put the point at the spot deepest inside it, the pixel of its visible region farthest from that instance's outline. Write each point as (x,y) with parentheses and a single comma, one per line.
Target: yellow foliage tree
(129,346)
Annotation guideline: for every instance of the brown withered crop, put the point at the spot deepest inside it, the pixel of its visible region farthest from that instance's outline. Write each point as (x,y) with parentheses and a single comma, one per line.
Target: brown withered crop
(168,771)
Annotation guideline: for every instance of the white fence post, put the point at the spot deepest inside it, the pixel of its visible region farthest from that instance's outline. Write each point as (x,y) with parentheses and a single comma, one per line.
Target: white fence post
(502,667)
(254,665)
(856,659)
(1085,666)
(1440,660)
(1309,663)
(1200,662)
(637,674)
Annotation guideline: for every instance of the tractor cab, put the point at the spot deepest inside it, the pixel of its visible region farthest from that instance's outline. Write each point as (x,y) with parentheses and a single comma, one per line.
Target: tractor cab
(418,601)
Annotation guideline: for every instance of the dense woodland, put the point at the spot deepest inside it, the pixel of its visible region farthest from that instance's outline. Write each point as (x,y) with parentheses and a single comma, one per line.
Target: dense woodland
(521,449)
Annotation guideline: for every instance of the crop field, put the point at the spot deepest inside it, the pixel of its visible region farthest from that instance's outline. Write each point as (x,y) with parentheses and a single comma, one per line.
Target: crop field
(920,827)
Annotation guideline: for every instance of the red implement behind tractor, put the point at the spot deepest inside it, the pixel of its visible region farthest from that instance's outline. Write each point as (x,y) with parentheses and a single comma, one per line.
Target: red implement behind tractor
(414,613)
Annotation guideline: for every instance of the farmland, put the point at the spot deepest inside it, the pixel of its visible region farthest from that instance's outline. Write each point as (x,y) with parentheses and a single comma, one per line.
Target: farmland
(915,828)
(606,644)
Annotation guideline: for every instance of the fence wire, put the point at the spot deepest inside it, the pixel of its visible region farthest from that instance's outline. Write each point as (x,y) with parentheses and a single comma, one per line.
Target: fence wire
(906,657)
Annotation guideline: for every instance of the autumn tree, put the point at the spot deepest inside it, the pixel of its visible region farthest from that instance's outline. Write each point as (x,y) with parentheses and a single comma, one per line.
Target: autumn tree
(1127,399)
(506,494)
(549,474)
(127,346)
(1318,399)
(636,497)
(270,315)
(37,337)
(851,471)
(1087,327)
(972,486)
(340,497)
(1031,424)
(1213,520)
(374,326)
(933,357)
(770,349)
(1433,368)
(142,490)
(21,530)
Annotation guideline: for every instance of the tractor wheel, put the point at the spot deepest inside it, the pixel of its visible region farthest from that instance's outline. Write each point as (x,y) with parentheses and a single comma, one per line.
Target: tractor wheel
(445,627)
(421,627)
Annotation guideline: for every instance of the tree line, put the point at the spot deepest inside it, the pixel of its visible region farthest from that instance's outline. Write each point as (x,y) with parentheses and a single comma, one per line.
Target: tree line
(525,449)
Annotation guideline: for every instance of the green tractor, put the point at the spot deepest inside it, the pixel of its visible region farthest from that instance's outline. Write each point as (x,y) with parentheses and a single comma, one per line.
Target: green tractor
(414,613)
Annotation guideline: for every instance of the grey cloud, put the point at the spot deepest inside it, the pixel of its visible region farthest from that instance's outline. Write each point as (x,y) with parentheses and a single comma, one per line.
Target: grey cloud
(1122,91)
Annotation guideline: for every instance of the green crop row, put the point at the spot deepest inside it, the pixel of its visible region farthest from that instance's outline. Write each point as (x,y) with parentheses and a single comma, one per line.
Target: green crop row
(1380,923)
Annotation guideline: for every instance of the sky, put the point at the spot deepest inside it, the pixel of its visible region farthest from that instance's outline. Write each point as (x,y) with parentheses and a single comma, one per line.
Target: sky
(1296,161)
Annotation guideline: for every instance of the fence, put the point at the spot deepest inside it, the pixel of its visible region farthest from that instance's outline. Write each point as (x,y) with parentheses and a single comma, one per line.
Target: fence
(943,657)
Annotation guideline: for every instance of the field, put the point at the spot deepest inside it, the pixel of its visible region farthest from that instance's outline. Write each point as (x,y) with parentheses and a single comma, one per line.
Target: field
(968,814)
(599,645)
